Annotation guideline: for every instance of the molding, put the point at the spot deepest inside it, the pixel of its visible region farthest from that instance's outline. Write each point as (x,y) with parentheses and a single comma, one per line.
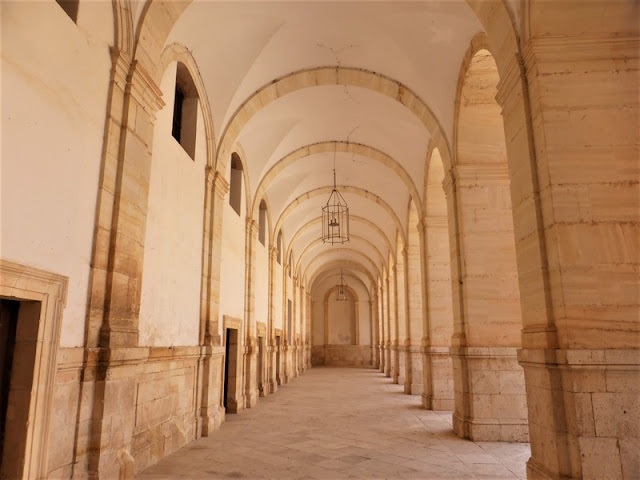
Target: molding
(144,89)
(220,185)
(436,221)
(24,283)
(509,79)
(476,175)
(231,322)
(589,47)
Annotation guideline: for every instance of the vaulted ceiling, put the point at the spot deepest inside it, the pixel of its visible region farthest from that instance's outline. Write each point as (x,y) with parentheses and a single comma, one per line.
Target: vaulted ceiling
(298,87)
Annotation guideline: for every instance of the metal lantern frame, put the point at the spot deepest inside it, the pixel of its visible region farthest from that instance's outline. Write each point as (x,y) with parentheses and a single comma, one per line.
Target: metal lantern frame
(335,217)
(341,289)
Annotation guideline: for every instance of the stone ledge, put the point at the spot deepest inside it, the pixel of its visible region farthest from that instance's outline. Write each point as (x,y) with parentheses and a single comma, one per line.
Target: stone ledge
(481,352)
(579,357)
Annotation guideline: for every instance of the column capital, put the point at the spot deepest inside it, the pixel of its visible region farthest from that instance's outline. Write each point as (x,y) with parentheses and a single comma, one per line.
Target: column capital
(449,183)
(252,227)
(143,88)
(514,74)
(121,64)
(220,184)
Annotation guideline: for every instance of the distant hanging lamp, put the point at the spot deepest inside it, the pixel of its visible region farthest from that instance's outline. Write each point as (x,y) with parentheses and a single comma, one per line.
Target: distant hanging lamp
(341,289)
(335,216)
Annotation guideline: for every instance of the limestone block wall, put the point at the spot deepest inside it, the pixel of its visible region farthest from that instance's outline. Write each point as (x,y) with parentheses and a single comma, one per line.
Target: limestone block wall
(159,394)
(70,422)
(342,355)
(165,403)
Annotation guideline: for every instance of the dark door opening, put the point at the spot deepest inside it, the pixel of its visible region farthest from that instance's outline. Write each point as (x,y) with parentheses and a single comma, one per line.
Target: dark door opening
(260,372)
(8,326)
(230,371)
(278,380)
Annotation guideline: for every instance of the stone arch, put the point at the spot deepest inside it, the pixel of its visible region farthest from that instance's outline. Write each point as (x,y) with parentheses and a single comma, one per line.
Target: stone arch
(318,241)
(490,313)
(123,32)
(318,222)
(355,77)
(366,260)
(344,263)
(348,189)
(338,146)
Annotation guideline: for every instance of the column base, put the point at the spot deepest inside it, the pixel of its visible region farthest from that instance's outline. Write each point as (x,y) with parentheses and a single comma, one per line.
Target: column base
(490,391)
(491,430)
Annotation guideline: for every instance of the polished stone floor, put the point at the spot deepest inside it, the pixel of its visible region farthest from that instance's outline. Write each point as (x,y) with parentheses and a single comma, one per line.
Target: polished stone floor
(335,423)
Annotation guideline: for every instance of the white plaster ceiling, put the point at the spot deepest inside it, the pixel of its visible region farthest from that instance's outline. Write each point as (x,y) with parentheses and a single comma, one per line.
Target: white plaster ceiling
(240,47)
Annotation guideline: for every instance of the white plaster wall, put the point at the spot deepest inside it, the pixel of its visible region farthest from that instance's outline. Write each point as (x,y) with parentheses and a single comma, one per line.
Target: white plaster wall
(172,272)
(317,312)
(54,93)
(317,321)
(364,320)
(261,283)
(340,318)
(232,264)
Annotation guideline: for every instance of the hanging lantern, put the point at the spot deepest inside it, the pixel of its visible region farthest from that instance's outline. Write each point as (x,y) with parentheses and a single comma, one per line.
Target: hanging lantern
(341,289)
(335,217)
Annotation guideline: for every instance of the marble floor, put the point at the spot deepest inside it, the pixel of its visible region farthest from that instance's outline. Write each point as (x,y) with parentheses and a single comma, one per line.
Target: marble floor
(336,423)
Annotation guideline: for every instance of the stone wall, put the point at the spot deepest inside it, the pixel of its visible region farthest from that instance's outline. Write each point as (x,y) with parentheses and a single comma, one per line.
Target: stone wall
(342,355)
(160,395)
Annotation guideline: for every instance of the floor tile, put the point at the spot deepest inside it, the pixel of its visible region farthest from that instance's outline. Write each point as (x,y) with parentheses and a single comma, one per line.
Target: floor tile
(340,423)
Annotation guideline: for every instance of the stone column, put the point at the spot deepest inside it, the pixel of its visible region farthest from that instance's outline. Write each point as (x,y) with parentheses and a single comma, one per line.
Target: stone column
(387,328)
(271,351)
(393,326)
(381,337)
(308,344)
(401,321)
(303,330)
(294,319)
(375,332)
(286,347)
(573,154)
(250,353)
(117,265)
(438,325)
(415,315)
(489,383)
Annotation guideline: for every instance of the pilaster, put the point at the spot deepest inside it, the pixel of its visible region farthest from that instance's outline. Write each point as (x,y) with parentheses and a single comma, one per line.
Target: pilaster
(117,263)
(272,380)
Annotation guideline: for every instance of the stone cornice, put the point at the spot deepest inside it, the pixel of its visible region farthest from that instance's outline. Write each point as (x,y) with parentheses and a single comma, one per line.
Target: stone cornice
(590,47)
(509,80)
(144,89)
(121,62)
(436,221)
(471,175)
